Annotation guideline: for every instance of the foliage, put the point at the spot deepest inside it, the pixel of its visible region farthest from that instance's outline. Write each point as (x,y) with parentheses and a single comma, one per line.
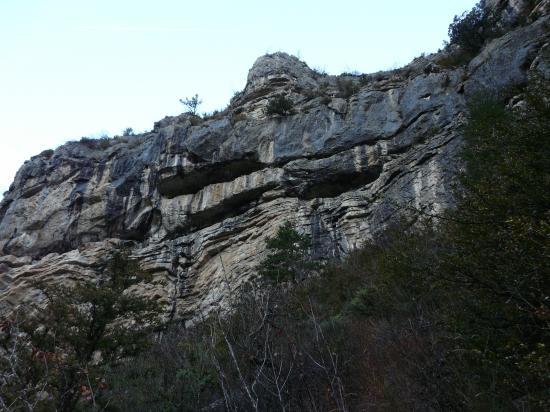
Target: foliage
(192,104)
(497,264)
(280,105)
(319,72)
(347,87)
(176,374)
(472,29)
(484,278)
(453,58)
(101,143)
(289,257)
(215,115)
(195,120)
(47,153)
(128,132)
(297,348)
(60,351)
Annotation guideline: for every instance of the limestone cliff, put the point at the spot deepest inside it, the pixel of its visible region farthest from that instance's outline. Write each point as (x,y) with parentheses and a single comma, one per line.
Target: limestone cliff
(195,198)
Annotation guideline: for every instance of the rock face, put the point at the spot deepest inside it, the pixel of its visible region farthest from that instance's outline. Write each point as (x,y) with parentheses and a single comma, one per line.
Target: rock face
(195,199)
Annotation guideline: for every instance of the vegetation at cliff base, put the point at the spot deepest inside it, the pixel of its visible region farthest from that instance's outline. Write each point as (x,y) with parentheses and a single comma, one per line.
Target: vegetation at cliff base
(54,358)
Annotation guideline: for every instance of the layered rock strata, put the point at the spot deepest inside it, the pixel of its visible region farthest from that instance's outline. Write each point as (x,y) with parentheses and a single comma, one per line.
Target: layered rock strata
(195,199)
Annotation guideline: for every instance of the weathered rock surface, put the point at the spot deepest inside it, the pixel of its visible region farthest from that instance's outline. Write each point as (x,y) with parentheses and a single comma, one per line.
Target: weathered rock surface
(197,201)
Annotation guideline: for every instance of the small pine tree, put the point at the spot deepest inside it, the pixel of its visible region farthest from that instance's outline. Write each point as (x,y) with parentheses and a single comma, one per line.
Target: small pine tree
(290,256)
(192,104)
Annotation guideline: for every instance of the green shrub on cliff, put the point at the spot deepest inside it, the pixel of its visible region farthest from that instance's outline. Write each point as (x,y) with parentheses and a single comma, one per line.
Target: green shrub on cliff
(289,257)
(472,29)
(279,105)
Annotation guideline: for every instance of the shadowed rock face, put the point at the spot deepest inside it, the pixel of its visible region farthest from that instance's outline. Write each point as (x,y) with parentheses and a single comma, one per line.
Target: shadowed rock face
(196,202)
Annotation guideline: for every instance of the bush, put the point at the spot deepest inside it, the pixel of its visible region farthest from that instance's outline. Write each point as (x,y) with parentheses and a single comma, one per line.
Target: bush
(296,348)
(215,115)
(47,153)
(192,104)
(471,30)
(280,105)
(346,87)
(500,238)
(104,142)
(196,120)
(128,132)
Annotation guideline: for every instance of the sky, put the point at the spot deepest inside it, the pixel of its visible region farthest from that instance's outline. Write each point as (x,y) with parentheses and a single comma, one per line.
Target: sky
(73,68)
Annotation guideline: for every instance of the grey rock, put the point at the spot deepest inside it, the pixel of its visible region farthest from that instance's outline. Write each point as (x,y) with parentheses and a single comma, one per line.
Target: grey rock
(503,63)
(196,202)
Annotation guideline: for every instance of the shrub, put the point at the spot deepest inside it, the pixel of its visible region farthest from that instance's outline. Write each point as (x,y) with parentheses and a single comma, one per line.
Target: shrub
(102,143)
(319,72)
(499,236)
(289,349)
(472,29)
(128,132)
(453,59)
(323,92)
(47,153)
(365,79)
(280,105)
(326,100)
(175,374)
(346,87)
(192,104)
(195,120)
(215,115)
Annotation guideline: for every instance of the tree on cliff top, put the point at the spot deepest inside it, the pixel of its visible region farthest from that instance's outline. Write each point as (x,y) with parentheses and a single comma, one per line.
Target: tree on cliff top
(471,29)
(192,104)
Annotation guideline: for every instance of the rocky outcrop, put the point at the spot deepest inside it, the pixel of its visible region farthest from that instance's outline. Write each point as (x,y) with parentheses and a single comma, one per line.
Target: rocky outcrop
(195,199)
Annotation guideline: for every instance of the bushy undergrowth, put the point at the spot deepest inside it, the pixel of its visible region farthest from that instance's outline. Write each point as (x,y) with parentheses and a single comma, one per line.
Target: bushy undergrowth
(470,32)
(298,349)
(347,87)
(53,358)
(472,29)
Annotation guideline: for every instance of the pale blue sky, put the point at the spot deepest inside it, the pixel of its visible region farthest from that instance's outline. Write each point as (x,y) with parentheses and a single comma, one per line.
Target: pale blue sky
(72,68)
